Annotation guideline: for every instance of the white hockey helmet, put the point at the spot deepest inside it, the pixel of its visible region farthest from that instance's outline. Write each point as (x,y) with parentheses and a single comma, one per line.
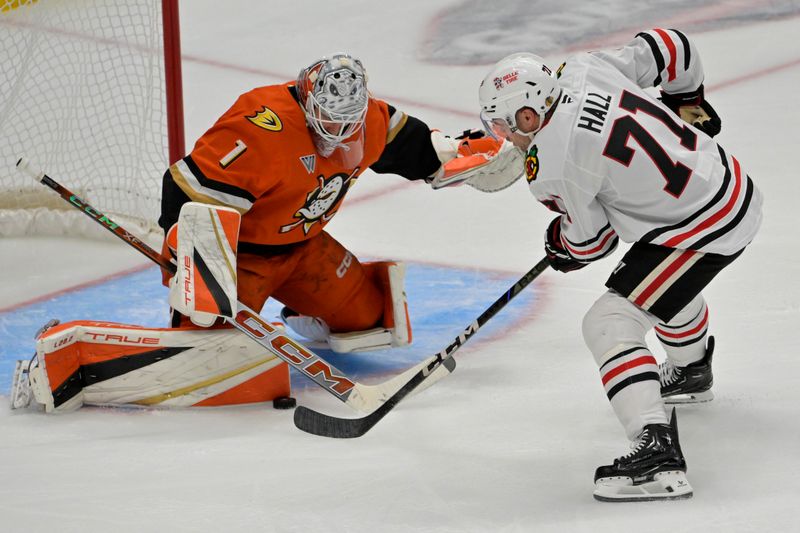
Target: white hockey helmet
(516,81)
(333,93)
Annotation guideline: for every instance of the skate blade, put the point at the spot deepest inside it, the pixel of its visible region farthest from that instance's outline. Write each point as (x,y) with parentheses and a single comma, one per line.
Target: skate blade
(693,397)
(671,485)
(20,386)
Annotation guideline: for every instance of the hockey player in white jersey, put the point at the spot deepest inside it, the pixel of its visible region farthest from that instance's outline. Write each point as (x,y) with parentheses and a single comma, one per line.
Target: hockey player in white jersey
(616,163)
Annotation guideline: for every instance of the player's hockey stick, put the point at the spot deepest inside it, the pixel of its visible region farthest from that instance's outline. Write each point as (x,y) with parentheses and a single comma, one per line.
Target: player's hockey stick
(324,425)
(364,398)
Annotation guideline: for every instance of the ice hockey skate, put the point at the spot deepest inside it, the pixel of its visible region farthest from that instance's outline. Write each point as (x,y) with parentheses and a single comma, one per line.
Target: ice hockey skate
(688,384)
(654,470)
(21,393)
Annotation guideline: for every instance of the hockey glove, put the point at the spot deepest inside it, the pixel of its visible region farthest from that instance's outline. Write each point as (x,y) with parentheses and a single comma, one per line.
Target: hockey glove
(693,109)
(476,159)
(560,259)
(204,286)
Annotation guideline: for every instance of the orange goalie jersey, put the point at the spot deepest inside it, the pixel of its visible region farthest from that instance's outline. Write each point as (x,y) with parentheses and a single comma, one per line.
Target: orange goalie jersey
(260,159)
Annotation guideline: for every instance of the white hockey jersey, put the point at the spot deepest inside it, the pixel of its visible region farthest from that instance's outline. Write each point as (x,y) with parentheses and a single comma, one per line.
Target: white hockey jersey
(620,165)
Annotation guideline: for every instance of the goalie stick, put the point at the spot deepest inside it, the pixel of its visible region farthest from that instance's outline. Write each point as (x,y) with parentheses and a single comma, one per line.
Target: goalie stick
(324,425)
(359,396)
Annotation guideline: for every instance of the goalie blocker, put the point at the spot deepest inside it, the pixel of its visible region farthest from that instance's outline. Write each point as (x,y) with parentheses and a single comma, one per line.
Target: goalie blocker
(100,363)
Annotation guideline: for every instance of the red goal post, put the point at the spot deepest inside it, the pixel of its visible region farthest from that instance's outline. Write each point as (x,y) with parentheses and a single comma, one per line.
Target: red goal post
(90,91)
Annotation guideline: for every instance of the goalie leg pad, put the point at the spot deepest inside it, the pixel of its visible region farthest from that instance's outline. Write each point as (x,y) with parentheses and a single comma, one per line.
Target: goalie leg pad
(116,364)
(391,276)
(395,330)
(56,378)
(316,330)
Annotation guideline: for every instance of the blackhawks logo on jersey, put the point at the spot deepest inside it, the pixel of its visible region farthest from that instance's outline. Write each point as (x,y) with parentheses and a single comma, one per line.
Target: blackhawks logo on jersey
(532,164)
(322,203)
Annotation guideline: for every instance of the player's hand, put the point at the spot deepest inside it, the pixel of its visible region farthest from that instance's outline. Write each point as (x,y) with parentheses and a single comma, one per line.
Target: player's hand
(694,109)
(560,259)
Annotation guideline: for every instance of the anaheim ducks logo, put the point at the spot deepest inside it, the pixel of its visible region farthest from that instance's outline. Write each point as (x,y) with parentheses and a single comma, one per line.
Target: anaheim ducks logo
(321,203)
(532,164)
(267,119)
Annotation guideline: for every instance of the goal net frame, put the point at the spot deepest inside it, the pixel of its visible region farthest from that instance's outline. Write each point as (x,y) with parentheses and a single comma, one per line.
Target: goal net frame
(140,73)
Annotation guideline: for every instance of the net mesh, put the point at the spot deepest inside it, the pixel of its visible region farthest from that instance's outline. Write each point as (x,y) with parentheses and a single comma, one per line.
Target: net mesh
(82,96)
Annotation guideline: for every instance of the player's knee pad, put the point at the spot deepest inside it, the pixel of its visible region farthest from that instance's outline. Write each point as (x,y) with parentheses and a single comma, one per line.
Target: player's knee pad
(614,322)
(99,363)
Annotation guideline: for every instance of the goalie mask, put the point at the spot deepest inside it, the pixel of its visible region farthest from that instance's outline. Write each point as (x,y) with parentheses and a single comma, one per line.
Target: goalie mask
(333,93)
(516,81)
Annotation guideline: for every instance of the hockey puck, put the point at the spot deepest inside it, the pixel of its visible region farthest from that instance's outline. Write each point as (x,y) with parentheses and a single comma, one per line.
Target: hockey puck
(284,402)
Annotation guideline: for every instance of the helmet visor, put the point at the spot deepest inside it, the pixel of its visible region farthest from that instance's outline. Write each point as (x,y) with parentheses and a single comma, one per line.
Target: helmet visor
(497,127)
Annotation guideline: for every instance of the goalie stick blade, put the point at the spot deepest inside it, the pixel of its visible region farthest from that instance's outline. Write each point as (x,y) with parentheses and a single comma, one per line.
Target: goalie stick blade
(324,425)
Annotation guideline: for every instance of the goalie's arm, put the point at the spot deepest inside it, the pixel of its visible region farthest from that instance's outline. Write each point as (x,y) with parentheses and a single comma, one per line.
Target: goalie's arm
(172,199)
(416,152)
(409,151)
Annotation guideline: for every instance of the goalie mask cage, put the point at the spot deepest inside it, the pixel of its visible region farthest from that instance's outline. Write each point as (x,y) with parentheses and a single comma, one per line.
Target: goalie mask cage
(90,92)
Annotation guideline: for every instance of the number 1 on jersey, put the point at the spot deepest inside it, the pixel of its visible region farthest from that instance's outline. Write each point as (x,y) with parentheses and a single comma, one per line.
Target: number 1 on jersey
(231,156)
(675,173)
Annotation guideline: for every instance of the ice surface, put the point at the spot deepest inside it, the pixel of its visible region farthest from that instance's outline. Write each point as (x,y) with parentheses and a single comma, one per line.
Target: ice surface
(510,441)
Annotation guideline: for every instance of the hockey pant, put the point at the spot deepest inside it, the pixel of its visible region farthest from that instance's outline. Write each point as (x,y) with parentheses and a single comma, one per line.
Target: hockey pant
(101,363)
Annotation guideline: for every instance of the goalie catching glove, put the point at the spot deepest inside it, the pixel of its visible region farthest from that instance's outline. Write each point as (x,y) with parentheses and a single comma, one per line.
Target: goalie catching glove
(474,158)
(204,286)
(693,109)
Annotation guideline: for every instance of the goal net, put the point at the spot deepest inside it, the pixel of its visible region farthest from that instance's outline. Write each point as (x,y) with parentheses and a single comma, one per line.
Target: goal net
(90,93)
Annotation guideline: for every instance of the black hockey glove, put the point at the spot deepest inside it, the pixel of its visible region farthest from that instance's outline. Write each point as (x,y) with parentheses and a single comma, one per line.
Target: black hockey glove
(473,133)
(560,259)
(693,109)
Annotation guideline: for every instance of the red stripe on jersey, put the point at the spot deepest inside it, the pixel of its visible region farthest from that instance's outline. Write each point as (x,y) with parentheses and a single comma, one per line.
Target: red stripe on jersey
(664,276)
(692,331)
(716,217)
(633,363)
(673,54)
(596,249)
